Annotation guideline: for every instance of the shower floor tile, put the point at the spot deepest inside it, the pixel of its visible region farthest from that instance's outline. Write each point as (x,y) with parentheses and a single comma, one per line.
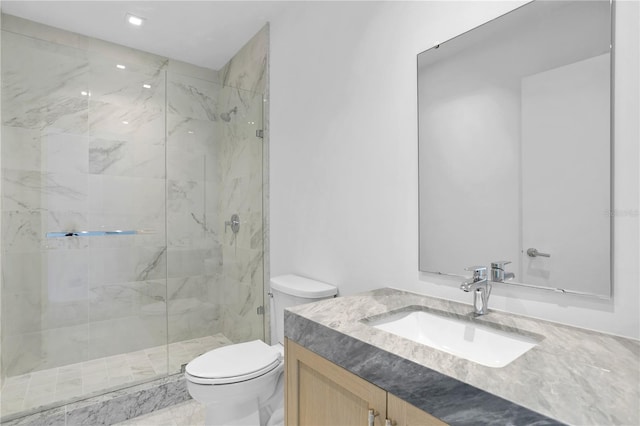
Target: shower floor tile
(47,387)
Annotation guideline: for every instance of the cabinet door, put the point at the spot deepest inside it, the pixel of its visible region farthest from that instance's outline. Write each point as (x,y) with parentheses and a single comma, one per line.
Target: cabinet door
(320,393)
(402,413)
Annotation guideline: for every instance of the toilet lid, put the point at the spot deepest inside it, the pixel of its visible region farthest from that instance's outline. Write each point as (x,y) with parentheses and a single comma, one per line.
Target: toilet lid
(235,363)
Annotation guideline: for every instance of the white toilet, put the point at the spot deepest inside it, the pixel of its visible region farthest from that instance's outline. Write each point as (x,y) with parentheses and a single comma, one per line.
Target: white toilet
(242,384)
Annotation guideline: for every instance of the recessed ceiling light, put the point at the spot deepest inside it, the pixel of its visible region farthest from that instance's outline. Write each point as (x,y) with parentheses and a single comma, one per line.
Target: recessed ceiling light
(84,93)
(146,86)
(125,122)
(120,66)
(135,20)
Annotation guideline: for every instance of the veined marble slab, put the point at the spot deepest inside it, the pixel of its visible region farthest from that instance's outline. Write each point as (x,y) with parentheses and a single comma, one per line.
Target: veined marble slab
(113,407)
(573,376)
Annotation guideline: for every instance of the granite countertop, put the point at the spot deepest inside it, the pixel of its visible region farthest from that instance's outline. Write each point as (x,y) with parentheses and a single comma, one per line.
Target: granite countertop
(572,376)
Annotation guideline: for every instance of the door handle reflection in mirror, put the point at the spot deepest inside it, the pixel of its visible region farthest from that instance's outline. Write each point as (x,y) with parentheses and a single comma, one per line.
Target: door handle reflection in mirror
(532,252)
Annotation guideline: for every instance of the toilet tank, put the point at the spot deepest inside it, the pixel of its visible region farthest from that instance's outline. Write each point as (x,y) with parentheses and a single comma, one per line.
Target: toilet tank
(292,290)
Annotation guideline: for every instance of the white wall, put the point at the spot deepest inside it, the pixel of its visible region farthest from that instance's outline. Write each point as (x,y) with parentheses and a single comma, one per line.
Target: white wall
(344,170)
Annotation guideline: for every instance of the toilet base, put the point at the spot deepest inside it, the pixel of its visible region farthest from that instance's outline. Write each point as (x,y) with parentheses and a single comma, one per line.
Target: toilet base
(257,411)
(246,414)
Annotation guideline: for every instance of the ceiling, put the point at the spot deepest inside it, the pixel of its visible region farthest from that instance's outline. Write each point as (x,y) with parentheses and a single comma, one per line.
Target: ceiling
(204,33)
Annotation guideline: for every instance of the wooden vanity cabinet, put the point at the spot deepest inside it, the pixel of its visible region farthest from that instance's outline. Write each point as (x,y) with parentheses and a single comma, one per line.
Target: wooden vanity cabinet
(401,413)
(319,392)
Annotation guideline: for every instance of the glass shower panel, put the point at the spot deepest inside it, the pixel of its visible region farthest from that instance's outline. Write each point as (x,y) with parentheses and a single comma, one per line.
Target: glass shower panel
(194,254)
(83,150)
(126,161)
(44,178)
(241,150)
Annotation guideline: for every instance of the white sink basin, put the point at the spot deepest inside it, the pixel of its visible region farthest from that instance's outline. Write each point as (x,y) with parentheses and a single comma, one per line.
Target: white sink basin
(475,342)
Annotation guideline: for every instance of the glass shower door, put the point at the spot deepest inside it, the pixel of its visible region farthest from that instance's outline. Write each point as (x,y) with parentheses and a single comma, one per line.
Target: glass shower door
(214,171)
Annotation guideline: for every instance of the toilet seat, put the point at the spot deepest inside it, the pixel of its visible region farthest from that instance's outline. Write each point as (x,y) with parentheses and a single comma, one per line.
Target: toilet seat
(234,363)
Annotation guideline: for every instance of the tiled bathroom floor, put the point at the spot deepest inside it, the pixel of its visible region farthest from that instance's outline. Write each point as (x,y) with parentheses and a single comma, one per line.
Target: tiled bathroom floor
(74,381)
(189,413)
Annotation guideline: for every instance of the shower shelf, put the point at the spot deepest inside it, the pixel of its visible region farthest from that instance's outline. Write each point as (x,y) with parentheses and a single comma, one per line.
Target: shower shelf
(95,233)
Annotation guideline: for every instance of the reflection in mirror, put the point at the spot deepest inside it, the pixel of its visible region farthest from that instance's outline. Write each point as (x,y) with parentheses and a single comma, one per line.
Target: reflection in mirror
(515,147)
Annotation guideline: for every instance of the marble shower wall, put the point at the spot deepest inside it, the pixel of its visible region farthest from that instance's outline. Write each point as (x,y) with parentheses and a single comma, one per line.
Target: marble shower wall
(243,192)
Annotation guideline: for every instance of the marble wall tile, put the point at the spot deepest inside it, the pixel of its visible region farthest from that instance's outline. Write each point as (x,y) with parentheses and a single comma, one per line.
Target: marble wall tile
(65,275)
(175,67)
(192,149)
(63,314)
(44,89)
(122,157)
(63,153)
(30,190)
(21,293)
(191,314)
(112,121)
(187,165)
(194,287)
(187,262)
(242,294)
(192,133)
(122,300)
(127,87)
(252,238)
(121,335)
(21,149)
(127,264)
(240,321)
(22,353)
(118,195)
(21,231)
(200,319)
(188,224)
(242,265)
(247,69)
(109,54)
(66,345)
(191,97)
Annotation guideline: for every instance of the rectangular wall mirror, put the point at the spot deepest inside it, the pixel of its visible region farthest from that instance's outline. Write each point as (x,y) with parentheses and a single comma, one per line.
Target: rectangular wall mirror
(515,148)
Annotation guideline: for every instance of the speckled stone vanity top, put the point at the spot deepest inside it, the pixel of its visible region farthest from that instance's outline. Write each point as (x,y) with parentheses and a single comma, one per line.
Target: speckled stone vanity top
(572,376)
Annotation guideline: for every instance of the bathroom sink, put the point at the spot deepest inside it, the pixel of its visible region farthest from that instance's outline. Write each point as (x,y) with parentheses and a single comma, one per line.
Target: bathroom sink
(457,335)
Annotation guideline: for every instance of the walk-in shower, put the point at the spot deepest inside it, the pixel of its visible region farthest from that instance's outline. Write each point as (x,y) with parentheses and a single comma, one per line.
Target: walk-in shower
(119,170)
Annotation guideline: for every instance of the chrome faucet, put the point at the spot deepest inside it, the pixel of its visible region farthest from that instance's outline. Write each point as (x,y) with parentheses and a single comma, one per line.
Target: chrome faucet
(498,273)
(481,288)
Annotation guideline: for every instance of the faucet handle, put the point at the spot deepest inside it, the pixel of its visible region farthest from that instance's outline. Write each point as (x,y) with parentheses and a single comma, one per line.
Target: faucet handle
(479,272)
(499,264)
